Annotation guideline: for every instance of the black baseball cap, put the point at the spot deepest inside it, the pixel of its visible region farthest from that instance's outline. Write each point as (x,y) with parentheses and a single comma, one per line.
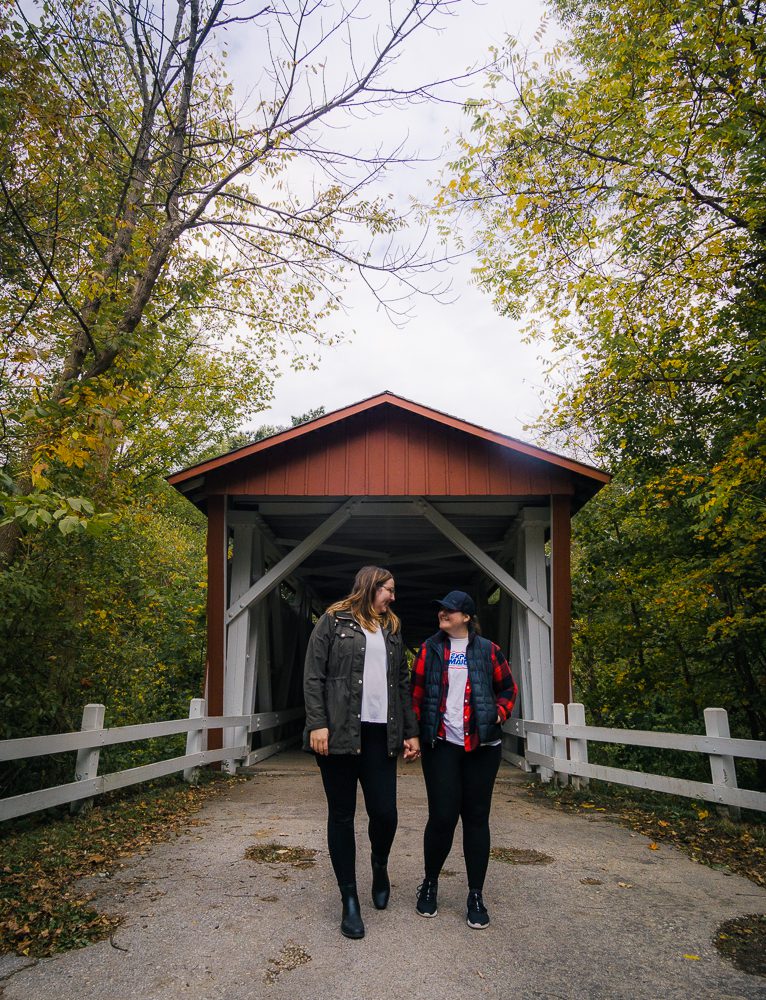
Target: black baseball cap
(458,600)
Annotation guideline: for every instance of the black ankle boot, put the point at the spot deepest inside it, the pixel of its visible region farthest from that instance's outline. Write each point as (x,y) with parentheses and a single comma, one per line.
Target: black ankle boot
(351,925)
(381,886)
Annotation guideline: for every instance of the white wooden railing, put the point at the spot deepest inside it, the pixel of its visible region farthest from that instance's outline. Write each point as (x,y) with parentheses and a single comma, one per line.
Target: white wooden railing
(567,737)
(721,749)
(92,738)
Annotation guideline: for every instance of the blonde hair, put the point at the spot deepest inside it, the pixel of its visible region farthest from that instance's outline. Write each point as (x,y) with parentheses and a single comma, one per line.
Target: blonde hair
(360,601)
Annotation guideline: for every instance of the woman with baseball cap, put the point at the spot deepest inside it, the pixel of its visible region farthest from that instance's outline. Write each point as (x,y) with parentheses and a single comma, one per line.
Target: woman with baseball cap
(462,692)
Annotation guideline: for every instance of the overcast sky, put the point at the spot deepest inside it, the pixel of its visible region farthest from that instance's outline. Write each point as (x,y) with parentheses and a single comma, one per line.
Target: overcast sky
(459,357)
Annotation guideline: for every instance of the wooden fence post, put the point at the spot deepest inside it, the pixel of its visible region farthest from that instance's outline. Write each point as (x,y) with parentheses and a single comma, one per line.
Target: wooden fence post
(559,745)
(578,748)
(195,738)
(722,767)
(86,766)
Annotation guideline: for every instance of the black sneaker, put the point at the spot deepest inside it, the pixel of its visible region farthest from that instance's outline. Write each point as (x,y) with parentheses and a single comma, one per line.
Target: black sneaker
(426,904)
(477,916)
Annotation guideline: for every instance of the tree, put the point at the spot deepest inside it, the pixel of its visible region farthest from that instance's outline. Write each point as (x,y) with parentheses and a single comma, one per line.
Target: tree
(148,212)
(618,191)
(116,618)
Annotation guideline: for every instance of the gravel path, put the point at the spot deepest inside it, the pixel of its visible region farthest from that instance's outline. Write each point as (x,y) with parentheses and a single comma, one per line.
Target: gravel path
(605,918)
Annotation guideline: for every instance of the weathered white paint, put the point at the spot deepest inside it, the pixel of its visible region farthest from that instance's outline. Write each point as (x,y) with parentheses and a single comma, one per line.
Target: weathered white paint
(720,748)
(91,784)
(485,563)
(722,769)
(237,636)
(264,752)
(533,635)
(40,746)
(724,792)
(559,742)
(195,740)
(516,759)
(270,720)
(21,805)
(658,783)
(370,555)
(86,765)
(293,559)
(670,741)
(578,743)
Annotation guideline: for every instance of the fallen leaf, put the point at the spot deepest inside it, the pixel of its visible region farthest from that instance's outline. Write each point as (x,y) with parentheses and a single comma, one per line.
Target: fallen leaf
(692,958)
(625,885)
(653,846)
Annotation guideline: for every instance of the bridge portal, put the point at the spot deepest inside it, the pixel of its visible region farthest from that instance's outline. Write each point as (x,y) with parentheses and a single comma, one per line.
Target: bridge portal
(441,502)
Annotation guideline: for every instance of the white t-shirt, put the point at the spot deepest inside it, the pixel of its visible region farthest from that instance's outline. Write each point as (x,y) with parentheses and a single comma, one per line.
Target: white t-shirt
(454,716)
(374,678)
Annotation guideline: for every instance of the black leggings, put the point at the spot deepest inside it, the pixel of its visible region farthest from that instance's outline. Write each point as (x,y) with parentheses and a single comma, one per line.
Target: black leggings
(376,772)
(459,783)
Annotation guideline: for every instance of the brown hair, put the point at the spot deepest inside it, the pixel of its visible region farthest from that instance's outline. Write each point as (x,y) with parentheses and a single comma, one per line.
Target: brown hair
(359,602)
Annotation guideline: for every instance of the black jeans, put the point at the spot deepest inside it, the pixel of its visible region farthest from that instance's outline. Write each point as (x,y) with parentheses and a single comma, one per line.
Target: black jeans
(376,772)
(459,783)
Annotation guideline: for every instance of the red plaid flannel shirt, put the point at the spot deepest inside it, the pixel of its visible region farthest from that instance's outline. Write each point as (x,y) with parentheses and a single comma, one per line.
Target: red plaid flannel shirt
(502,681)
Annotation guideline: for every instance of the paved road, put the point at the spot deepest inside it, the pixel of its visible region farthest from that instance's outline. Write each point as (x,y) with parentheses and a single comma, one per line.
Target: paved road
(203,922)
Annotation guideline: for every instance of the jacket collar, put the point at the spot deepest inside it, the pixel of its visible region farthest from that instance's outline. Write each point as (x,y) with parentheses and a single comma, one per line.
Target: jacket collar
(439,639)
(348,619)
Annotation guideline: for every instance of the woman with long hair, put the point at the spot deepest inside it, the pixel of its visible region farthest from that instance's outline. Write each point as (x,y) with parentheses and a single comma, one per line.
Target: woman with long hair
(462,692)
(359,718)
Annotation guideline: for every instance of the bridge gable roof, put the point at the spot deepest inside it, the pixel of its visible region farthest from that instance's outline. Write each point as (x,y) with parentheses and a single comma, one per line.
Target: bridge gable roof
(390,446)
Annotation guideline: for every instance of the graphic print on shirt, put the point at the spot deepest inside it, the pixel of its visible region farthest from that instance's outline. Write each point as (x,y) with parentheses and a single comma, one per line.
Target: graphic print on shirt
(454,716)
(457,659)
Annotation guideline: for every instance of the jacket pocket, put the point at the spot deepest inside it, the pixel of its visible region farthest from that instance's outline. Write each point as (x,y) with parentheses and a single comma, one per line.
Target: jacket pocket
(341,657)
(337,699)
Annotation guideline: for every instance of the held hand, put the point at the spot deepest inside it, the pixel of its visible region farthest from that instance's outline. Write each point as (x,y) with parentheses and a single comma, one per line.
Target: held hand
(319,741)
(412,748)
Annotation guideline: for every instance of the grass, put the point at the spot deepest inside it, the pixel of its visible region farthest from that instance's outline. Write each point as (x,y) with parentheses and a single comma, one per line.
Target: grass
(42,910)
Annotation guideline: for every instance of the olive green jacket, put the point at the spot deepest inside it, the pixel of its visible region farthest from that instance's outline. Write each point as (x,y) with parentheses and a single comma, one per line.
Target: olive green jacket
(332,685)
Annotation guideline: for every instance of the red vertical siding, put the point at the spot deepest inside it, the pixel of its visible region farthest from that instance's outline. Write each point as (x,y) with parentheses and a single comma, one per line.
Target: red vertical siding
(390,454)
(396,465)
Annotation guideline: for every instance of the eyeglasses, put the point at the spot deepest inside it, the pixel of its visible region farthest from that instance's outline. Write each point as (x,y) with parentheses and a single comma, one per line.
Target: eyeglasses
(391,590)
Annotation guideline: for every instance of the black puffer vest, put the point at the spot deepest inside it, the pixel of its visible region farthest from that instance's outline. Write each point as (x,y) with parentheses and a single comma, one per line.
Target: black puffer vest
(480,670)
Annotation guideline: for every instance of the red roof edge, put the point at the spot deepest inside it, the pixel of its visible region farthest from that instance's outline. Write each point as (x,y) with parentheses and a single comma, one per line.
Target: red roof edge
(390,398)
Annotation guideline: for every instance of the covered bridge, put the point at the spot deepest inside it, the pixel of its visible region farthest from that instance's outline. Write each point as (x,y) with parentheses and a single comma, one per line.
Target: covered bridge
(441,502)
